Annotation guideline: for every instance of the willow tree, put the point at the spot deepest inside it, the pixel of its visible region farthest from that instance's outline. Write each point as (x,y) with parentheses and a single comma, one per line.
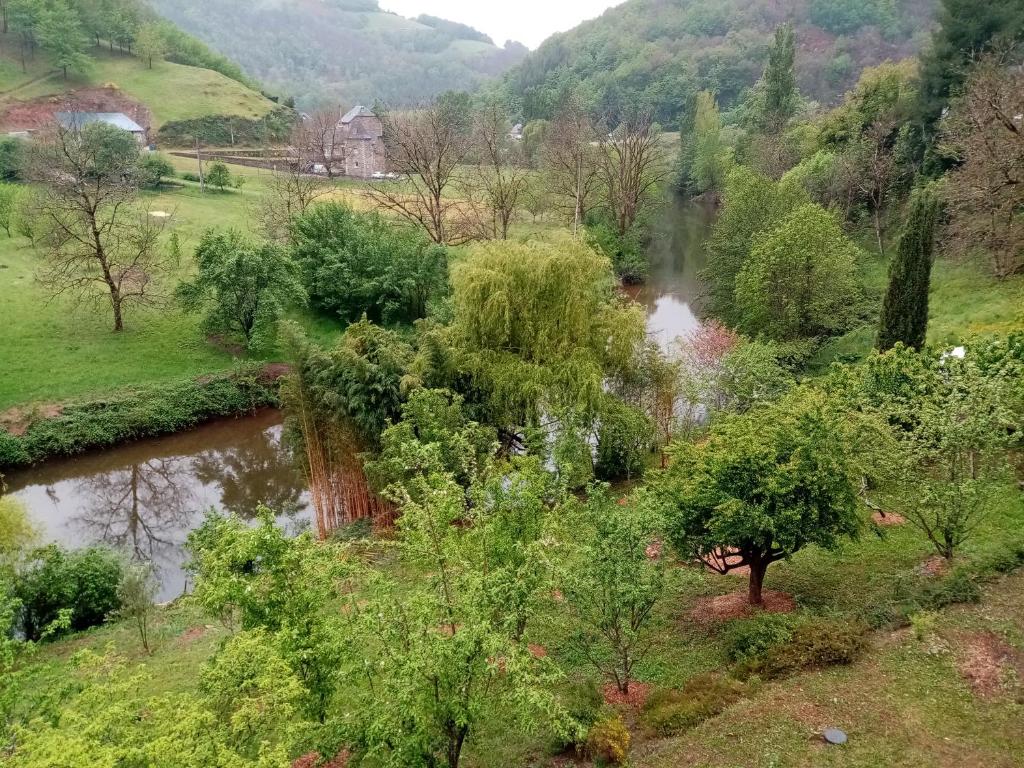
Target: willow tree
(539,330)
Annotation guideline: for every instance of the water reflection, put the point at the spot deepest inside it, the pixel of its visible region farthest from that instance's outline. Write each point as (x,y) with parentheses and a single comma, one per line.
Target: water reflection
(144,498)
(673,288)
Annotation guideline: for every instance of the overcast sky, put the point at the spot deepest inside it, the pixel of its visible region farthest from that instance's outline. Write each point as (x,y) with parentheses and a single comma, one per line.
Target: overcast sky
(528,21)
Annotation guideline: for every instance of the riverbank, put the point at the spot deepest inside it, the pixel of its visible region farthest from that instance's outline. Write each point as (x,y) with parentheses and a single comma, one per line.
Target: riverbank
(29,436)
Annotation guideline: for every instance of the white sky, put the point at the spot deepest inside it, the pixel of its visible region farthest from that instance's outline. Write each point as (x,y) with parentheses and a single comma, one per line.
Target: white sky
(528,21)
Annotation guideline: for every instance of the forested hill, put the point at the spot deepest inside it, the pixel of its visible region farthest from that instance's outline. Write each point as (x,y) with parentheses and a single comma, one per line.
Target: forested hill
(347,51)
(658,53)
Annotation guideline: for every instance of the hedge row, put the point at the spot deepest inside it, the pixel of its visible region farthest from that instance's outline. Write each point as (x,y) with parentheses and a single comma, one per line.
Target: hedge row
(229,130)
(136,413)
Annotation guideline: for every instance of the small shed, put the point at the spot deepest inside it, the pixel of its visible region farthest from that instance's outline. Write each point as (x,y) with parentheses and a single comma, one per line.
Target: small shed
(76,121)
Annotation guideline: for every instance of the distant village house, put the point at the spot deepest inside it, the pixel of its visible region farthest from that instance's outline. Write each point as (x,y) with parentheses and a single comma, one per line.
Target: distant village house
(361,136)
(76,121)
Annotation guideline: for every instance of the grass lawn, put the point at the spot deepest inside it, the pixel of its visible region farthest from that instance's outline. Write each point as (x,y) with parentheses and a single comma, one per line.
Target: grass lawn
(55,351)
(171,91)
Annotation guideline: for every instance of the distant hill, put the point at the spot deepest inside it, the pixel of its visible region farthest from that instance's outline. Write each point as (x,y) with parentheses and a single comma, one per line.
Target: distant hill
(658,53)
(343,51)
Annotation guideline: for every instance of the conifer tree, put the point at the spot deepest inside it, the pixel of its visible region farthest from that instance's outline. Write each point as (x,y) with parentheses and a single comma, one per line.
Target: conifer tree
(905,309)
(779,83)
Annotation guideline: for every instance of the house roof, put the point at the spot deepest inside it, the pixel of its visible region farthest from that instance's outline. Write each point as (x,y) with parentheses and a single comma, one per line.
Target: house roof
(352,114)
(77,120)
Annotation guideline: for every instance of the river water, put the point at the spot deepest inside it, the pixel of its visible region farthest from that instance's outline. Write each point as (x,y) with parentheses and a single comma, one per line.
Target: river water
(145,497)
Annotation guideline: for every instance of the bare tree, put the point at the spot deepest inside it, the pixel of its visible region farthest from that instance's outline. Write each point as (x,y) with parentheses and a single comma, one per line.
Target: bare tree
(570,161)
(633,164)
(290,191)
(98,244)
(318,138)
(426,147)
(872,168)
(985,132)
(498,179)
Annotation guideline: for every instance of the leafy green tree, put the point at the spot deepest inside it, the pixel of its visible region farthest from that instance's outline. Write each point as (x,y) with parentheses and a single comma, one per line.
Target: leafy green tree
(905,308)
(612,583)
(11,158)
(151,43)
(752,204)
(218,176)
(9,194)
(26,17)
(153,169)
(257,578)
(625,437)
(245,287)
(712,158)
(136,594)
(60,35)
(800,280)
(355,264)
(443,650)
(778,92)
(763,486)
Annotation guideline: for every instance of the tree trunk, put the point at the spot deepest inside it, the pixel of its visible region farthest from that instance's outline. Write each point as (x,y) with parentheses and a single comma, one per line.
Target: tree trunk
(455,742)
(115,302)
(757,571)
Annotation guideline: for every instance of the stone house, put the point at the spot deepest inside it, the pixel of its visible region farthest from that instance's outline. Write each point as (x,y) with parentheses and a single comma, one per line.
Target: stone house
(361,138)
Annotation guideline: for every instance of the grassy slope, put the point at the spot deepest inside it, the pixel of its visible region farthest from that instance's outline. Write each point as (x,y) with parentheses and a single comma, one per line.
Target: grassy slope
(171,91)
(902,705)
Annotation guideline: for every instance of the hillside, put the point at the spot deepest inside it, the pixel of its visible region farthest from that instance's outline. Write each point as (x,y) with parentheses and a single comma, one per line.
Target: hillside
(659,52)
(345,51)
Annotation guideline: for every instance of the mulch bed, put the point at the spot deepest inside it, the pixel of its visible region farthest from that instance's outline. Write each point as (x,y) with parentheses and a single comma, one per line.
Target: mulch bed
(886,519)
(711,610)
(987,662)
(934,566)
(638,693)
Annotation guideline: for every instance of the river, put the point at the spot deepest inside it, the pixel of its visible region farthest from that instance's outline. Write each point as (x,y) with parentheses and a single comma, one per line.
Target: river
(145,497)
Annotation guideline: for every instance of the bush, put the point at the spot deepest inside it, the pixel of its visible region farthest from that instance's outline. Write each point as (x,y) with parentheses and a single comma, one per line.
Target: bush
(135,413)
(608,741)
(218,176)
(82,584)
(229,130)
(957,587)
(628,253)
(153,169)
(815,643)
(189,176)
(671,711)
(749,638)
(624,439)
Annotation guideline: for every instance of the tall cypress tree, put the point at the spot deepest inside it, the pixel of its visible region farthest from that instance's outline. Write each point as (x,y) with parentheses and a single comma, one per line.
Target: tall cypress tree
(779,82)
(905,309)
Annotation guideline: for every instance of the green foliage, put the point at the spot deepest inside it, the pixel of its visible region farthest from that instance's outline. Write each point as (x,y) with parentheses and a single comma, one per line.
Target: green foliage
(11,157)
(764,485)
(16,532)
(60,35)
(814,643)
(800,280)
(627,252)
(612,584)
(135,413)
(136,594)
(905,308)
(776,92)
(218,176)
(83,583)
(355,264)
(750,638)
(711,157)
(153,169)
(671,711)
(843,17)
(151,43)
(257,578)
(608,741)
(625,436)
(244,287)
(229,130)
(9,197)
(752,204)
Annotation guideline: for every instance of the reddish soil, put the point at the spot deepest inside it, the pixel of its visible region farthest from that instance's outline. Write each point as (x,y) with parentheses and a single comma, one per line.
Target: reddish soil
(191,634)
(887,519)
(557,596)
(654,549)
(988,663)
(312,760)
(711,610)
(537,651)
(934,566)
(17,420)
(724,559)
(274,371)
(638,693)
(38,113)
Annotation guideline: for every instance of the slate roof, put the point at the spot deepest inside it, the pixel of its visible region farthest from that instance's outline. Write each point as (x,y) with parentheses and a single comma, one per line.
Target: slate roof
(77,120)
(352,114)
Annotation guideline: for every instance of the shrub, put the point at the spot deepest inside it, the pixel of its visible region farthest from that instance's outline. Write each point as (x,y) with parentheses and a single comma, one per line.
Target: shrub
(750,638)
(957,587)
(671,711)
(189,176)
(624,438)
(153,169)
(135,413)
(83,583)
(218,176)
(608,741)
(815,643)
